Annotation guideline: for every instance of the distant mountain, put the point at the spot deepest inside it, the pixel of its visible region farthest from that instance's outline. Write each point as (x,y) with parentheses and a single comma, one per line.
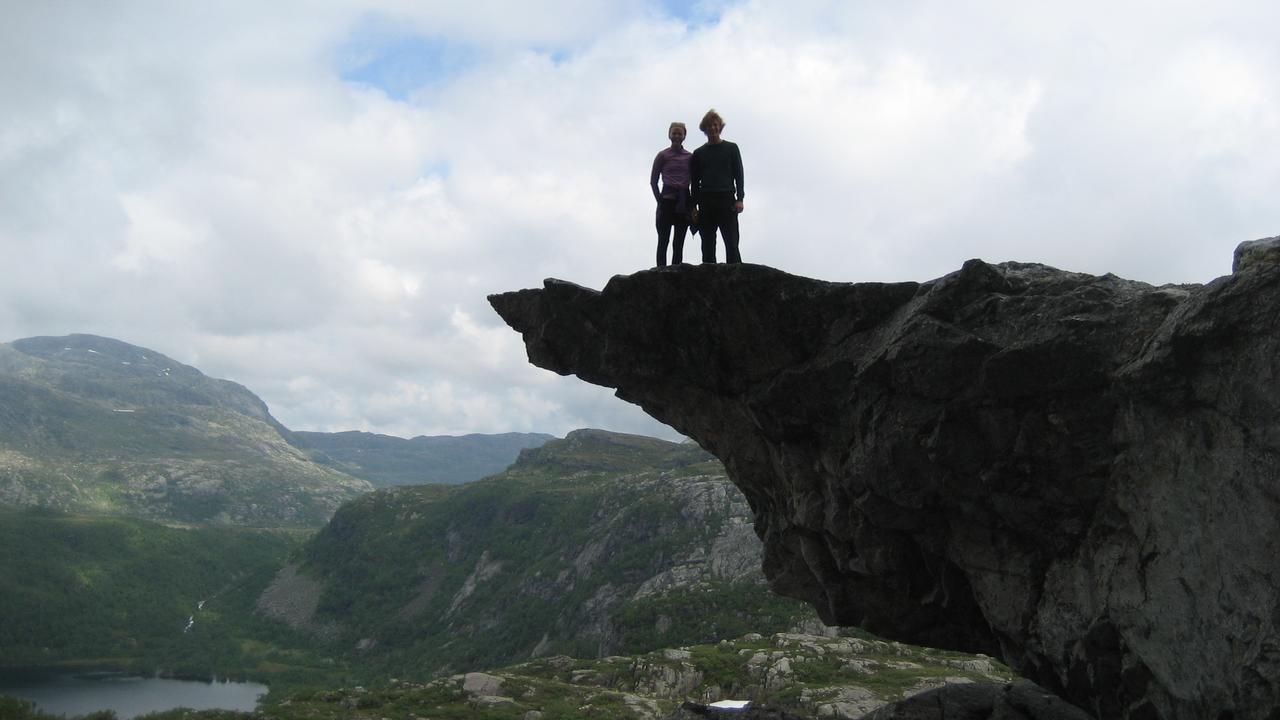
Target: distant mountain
(90,424)
(594,545)
(388,461)
(604,451)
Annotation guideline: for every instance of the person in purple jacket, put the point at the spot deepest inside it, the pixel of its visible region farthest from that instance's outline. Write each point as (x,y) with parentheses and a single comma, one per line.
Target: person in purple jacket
(672,165)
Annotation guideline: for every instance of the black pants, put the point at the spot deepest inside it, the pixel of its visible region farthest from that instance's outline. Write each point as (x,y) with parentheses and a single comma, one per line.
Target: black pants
(669,217)
(716,210)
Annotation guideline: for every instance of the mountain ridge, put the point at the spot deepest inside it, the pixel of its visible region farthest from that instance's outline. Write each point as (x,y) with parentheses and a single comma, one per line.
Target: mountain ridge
(387,460)
(94,424)
(615,543)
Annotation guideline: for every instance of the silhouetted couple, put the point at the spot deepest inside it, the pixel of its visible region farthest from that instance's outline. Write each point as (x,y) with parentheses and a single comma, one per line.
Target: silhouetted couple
(702,190)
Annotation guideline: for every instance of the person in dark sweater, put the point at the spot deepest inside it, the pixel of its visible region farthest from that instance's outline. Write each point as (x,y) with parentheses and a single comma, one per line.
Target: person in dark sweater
(672,165)
(716,189)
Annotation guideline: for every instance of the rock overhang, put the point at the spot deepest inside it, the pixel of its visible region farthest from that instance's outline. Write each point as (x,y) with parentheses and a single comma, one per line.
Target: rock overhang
(1008,459)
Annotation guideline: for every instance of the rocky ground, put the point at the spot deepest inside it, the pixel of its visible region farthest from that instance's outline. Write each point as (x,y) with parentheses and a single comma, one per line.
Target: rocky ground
(809,676)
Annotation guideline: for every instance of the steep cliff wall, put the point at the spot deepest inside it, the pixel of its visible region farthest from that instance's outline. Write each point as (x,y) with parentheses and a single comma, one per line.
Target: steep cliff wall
(1079,474)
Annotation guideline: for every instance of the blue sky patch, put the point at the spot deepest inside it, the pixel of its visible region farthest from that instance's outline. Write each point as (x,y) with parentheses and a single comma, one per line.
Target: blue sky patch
(437,168)
(399,65)
(695,13)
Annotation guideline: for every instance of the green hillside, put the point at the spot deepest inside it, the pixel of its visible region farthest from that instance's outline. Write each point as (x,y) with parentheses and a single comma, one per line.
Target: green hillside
(90,424)
(83,591)
(388,461)
(589,546)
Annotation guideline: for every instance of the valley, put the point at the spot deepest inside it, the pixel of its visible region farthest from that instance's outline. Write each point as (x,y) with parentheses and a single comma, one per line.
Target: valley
(601,570)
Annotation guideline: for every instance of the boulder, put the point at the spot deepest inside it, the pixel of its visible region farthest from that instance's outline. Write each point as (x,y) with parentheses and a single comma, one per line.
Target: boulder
(481,684)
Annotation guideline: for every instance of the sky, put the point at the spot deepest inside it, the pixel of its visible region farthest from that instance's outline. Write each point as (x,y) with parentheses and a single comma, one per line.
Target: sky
(314,198)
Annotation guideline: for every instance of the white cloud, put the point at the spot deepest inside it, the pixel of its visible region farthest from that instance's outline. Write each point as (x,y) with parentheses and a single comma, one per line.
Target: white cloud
(200,179)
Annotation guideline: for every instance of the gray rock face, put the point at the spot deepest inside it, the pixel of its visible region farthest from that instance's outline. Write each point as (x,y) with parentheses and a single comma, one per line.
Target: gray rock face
(292,598)
(1255,253)
(1078,474)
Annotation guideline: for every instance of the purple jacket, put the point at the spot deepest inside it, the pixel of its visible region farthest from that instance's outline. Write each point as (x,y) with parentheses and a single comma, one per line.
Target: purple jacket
(673,166)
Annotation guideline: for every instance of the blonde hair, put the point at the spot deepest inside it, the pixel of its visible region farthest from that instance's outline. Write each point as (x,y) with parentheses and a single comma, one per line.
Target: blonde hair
(708,118)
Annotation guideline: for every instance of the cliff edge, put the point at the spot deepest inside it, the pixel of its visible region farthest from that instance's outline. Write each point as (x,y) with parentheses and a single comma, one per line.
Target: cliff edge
(1078,474)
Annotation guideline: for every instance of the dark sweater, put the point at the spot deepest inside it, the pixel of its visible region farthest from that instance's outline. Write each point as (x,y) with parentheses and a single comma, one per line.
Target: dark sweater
(716,168)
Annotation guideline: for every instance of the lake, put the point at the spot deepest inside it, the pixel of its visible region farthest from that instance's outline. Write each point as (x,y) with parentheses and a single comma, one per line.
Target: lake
(129,697)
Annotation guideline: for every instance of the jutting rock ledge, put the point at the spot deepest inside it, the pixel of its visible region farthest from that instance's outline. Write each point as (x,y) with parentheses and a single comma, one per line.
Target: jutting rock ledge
(1077,474)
